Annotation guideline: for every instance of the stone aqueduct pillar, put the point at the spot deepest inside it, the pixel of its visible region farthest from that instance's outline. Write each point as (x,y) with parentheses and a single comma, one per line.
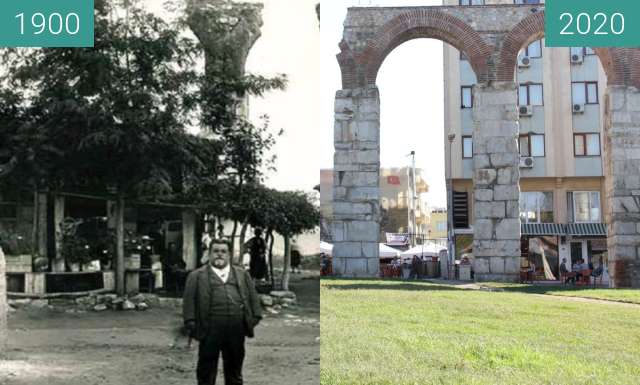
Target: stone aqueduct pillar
(496,228)
(622,185)
(370,34)
(355,226)
(3,305)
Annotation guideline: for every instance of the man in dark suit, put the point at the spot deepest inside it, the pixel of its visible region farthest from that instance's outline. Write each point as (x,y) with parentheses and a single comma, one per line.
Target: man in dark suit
(220,308)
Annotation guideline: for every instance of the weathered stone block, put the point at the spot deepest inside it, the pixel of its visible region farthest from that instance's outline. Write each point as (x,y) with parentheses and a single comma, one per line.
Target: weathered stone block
(506,192)
(497,145)
(481,265)
(347,249)
(505,160)
(513,209)
(504,176)
(356,267)
(352,208)
(483,229)
(483,194)
(512,265)
(508,229)
(484,210)
(625,205)
(363,193)
(496,265)
(362,231)
(484,177)
(624,228)
(480,161)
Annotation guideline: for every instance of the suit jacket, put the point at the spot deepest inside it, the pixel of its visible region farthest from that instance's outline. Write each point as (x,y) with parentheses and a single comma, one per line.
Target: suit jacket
(196,300)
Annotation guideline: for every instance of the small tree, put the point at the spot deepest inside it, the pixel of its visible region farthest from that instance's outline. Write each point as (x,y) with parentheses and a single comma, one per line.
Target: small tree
(288,213)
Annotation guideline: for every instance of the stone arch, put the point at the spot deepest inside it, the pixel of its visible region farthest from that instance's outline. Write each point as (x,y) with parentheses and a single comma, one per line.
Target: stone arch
(615,61)
(361,70)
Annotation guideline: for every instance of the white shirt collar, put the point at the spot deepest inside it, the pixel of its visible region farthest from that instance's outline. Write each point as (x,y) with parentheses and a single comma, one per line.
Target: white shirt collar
(223,273)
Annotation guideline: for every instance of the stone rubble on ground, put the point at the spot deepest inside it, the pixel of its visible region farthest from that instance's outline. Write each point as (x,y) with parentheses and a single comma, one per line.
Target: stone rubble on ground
(128,305)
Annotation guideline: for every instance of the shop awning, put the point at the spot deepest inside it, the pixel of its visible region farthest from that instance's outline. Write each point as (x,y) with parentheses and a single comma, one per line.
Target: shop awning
(587,229)
(539,229)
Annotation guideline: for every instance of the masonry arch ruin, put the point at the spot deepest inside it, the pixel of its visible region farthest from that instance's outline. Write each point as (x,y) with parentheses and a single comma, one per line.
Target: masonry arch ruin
(491,36)
(413,24)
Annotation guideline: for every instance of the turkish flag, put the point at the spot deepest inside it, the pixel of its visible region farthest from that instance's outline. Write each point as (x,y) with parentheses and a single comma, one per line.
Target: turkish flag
(393,179)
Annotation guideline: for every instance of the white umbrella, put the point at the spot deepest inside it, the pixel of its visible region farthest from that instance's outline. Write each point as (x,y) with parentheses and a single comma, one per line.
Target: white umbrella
(426,250)
(326,247)
(387,252)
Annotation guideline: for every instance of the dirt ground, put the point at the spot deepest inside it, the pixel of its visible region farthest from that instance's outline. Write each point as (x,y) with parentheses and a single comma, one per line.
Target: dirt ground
(54,347)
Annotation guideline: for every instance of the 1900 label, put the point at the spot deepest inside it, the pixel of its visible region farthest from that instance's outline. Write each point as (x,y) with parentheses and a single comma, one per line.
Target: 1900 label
(46,23)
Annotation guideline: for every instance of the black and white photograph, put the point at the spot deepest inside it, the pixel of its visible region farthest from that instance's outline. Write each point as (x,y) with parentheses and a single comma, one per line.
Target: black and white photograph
(159,198)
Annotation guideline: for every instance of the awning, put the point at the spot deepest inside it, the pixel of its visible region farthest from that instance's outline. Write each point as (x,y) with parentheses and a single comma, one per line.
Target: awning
(587,229)
(536,229)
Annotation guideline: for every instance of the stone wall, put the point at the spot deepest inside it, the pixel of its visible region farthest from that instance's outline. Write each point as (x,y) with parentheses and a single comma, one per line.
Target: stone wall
(622,185)
(355,223)
(496,230)
(3,304)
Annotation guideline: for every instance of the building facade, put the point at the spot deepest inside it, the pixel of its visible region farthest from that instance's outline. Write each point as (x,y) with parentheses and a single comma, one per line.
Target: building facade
(396,207)
(561,116)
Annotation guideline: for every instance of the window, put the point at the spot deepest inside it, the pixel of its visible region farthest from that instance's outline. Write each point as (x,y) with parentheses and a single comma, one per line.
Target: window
(467,147)
(531,145)
(584,92)
(441,226)
(467,96)
(586,206)
(530,95)
(471,2)
(527,2)
(533,50)
(536,207)
(586,144)
(582,51)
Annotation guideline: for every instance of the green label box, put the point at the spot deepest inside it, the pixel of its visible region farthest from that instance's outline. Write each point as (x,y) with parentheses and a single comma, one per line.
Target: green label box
(46,23)
(592,23)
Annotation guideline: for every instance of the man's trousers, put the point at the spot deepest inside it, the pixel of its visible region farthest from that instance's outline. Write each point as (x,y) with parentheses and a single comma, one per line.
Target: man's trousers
(226,336)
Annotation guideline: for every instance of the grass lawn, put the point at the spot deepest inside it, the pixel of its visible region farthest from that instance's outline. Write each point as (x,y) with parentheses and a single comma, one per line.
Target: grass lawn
(393,332)
(619,295)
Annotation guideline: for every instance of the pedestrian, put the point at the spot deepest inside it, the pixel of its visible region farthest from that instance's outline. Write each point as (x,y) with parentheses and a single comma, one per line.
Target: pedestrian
(415,263)
(296,258)
(257,247)
(220,308)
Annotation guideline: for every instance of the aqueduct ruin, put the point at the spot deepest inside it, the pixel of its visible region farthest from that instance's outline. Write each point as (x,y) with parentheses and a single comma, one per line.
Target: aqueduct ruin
(491,37)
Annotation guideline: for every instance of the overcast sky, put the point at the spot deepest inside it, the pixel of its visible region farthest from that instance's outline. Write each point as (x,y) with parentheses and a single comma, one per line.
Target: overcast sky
(411,93)
(290,44)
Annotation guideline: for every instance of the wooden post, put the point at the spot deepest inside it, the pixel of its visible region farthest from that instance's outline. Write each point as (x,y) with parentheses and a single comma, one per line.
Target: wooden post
(58,216)
(42,225)
(287,263)
(3,305)
(189,253)
(120,245)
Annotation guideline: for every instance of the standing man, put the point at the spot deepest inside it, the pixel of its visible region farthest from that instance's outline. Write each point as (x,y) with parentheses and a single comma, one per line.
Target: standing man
(220,308)
(257,247)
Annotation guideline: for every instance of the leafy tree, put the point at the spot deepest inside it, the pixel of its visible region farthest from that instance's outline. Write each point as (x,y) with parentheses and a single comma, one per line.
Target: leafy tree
(288,213)
(112,117)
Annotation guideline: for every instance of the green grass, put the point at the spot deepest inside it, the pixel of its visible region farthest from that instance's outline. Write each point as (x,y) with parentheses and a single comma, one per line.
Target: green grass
(618,295)
(393,333)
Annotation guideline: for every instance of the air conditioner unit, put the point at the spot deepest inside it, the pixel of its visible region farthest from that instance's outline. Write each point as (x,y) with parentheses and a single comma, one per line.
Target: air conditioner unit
(525,110)
(524,62)
(576,59)
(578,108)
(526,162)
